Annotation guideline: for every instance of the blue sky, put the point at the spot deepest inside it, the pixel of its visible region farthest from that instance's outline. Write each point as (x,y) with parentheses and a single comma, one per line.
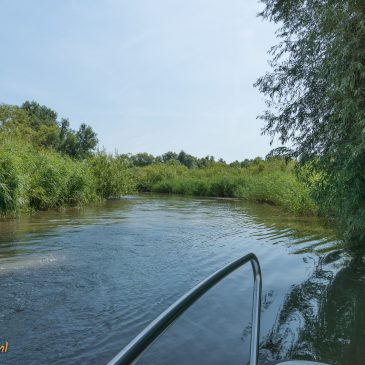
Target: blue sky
(148,76)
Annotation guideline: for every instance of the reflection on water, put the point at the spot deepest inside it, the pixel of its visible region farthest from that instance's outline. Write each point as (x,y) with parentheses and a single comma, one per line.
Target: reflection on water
(323,317)
(302,234)
(79,284)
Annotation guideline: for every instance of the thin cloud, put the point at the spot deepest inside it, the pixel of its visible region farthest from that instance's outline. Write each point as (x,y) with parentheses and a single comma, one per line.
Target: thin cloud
(139,39)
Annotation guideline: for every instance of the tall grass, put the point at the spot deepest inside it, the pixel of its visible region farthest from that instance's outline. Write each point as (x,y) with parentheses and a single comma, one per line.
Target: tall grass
(273,182)
(34,176)
(111,174)
(34,179)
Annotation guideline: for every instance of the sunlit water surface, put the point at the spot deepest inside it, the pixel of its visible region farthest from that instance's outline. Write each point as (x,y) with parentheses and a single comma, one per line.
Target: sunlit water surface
(78,285)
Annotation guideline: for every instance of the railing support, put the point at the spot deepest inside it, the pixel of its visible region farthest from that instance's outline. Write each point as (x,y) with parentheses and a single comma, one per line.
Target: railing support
(141,342)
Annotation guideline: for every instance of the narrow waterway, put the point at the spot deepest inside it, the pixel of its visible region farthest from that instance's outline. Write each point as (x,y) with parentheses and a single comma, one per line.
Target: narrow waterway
(78,285)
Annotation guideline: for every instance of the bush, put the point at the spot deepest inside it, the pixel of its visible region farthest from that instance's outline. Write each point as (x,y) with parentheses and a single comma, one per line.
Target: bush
(32,178)
(147,178)
(111,174)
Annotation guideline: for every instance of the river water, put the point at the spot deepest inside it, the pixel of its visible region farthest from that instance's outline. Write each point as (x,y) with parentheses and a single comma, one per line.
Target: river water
(78,285)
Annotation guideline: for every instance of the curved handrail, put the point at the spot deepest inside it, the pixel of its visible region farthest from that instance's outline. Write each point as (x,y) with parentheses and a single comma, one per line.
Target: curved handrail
(142,341)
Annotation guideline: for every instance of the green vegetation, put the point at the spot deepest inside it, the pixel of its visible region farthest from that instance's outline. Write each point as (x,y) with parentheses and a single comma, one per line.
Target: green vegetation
(111,174)
(273,182)
(38,125)
(44,164)
(40,179)
(316,95)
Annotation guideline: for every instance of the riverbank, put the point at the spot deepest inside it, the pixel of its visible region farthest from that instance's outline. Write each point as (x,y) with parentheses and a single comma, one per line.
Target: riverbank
(273,182)
(39,179)
(45,164)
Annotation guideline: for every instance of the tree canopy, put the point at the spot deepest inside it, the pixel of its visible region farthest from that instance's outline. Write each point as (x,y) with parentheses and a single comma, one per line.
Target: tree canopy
(38,124)
(316,99)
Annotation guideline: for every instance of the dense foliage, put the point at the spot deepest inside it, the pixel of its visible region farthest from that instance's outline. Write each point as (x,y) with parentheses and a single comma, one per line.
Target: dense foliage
(45,164)
(41,179)
(38,125)
(272,182)
(316,99)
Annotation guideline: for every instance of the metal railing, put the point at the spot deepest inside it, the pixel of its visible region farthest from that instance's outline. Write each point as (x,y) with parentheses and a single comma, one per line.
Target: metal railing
(140,343)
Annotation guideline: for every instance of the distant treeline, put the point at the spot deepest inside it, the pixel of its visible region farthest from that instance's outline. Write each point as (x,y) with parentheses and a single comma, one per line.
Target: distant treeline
(46,164)
(183,158)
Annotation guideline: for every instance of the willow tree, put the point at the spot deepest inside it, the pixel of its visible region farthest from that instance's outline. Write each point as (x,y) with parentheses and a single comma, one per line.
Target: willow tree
(315,94)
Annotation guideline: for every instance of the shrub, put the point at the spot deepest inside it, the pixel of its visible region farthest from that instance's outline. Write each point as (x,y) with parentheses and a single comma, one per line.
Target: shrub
(32,178)
(111,174)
